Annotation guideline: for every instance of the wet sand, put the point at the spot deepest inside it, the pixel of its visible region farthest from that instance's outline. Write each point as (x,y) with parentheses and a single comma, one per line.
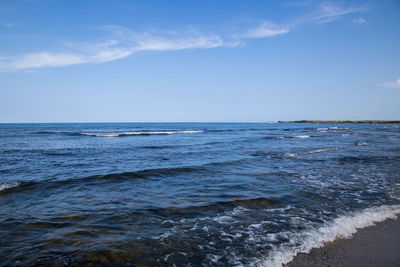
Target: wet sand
(377,245)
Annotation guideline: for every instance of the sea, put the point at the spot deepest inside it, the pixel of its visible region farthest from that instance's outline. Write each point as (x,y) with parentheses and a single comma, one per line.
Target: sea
(190,194)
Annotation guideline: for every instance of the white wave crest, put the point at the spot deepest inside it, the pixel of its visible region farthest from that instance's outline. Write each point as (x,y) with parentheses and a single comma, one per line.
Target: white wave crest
(101,134)
(337,128)
(139,133)
(291,155)
(360,144)
(9,185)
(324,129)
(320,150)
(301,136)
(342,227)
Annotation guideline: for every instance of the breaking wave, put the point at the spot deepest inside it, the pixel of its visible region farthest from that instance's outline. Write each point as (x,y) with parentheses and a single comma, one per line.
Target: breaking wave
(295,136)
(138,133)
(301,136)
(9,185)
(334,128)
(341,227)
(294,154)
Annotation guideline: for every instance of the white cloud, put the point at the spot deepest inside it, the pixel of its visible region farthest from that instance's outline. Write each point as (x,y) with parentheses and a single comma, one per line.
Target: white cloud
(359,20)
(46,59)
(155,43)
(39,60)
(327,12)
(113,49)
(107,55)
(394,84)
(266,29)
(188,38)
(123,42)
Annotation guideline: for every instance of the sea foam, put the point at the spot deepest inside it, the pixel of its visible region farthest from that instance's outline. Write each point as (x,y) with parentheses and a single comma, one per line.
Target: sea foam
(341,227)
(302,136)
(294,154)
(138,133)
(9,185)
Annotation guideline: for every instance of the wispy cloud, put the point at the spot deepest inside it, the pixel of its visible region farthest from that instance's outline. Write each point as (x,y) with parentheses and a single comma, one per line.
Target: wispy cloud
(394,84)
(327,12)
(191,41)
(359,20)
(266,29)
(42,59)
(93,53)
(122,42)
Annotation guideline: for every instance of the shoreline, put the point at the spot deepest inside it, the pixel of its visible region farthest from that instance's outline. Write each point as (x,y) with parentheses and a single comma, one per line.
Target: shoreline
(377,245)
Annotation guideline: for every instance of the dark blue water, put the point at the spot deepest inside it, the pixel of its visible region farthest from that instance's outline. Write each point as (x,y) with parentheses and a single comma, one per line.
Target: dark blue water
(189,193)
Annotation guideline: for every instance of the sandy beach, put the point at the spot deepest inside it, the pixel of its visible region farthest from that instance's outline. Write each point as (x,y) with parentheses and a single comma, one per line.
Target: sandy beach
(378,245)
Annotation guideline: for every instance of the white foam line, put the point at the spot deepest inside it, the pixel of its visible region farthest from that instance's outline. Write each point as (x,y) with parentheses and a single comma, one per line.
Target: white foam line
(361,144)
(101,135)
(9,185)
(342,227)
(294,154)
(321,150)
(139,133)
(336,128)
(301,136)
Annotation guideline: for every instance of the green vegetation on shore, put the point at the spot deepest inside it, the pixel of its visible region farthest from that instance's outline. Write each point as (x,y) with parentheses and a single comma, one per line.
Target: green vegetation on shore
(344,121)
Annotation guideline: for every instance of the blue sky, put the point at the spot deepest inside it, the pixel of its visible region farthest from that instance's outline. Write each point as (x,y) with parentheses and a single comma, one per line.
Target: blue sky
(135,61)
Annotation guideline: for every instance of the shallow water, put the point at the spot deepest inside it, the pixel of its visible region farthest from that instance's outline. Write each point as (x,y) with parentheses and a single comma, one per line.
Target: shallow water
(199,193)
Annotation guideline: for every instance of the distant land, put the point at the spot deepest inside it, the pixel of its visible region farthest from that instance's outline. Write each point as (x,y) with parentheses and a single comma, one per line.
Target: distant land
(343,121)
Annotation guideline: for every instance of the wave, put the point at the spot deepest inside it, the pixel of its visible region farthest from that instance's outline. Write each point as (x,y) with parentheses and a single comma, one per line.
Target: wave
(294,136)
(281,155)
(118,134)
(51,132)
(341,227)
(161,172)
(273,137)
(167,172)
(360,144)
(324,129)
(221,206)
(45,132)
(140,174)
(222,130)
(138,133)
(301,136)
(157,147)
(294,154)
(5,186)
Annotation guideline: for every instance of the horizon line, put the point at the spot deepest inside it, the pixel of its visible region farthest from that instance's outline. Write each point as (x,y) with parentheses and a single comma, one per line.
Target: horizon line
(273,121)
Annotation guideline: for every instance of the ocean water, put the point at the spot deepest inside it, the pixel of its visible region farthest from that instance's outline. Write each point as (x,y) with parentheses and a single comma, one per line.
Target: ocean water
(208,194)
